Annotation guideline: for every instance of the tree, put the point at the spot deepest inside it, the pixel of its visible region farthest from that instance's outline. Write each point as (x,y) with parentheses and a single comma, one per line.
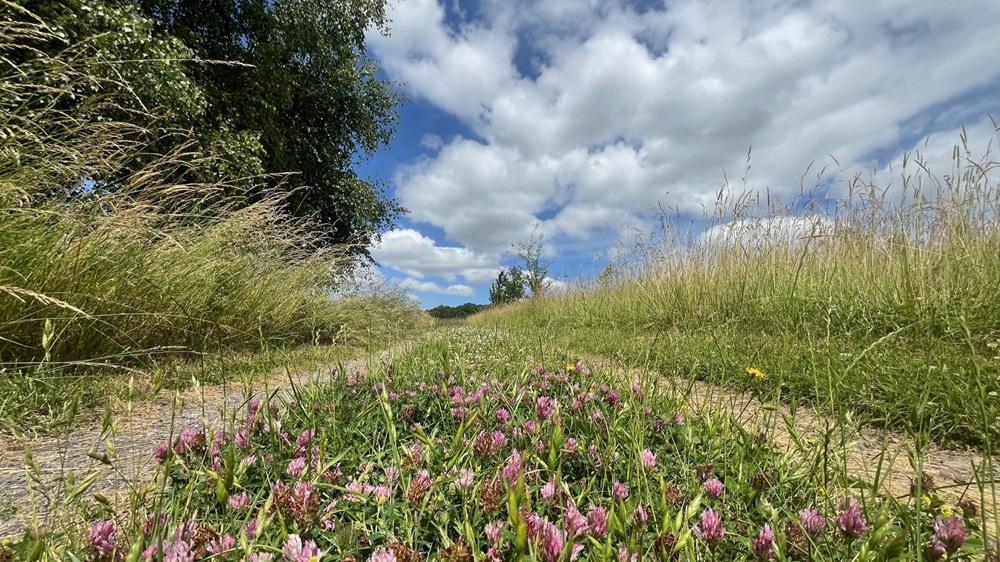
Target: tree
(535,266)
(508,287)
(305,95)
(461,311)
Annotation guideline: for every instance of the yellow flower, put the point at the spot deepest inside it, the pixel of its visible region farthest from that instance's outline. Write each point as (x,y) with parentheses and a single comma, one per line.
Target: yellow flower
(947,510)
(570,368)
(756,373)
(926,500)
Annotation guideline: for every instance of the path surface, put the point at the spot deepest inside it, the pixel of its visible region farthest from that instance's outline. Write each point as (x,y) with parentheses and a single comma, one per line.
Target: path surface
(954,471)
(135,434)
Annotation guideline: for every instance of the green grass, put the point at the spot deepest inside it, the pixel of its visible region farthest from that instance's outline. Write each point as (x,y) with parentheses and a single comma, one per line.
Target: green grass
(385,451)
(886,309)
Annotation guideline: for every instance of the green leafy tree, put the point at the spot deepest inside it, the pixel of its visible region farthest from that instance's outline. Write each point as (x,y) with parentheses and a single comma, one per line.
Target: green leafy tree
(509,286)
(536,267)
(289,85)
(282,91)
(461,311)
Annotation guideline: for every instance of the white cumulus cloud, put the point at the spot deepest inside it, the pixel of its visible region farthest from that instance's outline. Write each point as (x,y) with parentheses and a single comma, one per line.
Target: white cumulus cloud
(585,116)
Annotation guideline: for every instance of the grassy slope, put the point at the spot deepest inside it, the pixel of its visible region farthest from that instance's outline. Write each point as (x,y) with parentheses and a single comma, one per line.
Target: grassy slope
(890,315)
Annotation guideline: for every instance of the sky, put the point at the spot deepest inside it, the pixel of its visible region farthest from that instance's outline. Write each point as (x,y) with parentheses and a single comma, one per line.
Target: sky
(580,119)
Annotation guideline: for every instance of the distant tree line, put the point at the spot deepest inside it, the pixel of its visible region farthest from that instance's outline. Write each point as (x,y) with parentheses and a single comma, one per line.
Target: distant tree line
(460,311)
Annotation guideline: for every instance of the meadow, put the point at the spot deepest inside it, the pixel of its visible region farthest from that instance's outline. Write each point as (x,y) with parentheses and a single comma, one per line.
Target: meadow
(880,305)
(465,448)
(189,372)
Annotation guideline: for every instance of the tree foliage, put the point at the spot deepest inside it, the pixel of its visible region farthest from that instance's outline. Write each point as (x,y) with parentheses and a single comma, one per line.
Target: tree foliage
(509,286)
(276,91)
(310,98)
(535,266)
(461,311)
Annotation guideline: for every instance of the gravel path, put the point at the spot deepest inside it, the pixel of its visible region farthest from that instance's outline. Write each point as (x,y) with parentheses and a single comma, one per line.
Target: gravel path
(28,495)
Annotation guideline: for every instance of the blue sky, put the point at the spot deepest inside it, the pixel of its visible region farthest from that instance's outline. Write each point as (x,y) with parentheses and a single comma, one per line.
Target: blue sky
(580,118)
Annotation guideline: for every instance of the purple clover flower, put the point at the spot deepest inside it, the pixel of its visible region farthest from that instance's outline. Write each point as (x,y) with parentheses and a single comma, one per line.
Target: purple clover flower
(812,521)
(597,520)
(711,529)
(102,538)
(648,459)
(950,532)
(297,551)
(619,491)
(851,522)
(763,546)
(714,488)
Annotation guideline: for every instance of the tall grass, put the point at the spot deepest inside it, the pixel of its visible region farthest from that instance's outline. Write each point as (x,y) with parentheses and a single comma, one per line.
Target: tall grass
(114,250)
(879,300)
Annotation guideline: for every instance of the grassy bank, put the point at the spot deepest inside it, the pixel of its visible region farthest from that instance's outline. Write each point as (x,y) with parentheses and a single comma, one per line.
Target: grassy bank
(884,308)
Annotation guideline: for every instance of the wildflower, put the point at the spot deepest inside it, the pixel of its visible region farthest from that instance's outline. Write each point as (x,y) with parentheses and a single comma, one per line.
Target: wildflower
(714,488)
(619,491)
(530,427)
(950,532)
(546,407)
(648,459)
(252,408)
(490,496)
(222,544)
(303,440)
(576,524)
(261,557)
(763,546)
(381,494)
(711,529)
(503,415)
(756,373)
(419,486)
(161,452)
(251,529)
(637,390)
(465,479)
(947,510)
(812,521)
(570,445)
(513,468)
(102,538)
(549,490)
(851,521)
(641,515)
(391,475)
(625,556)
(239,502)
(190,440)
(297,551)
(935,550)
(383,555)
(499,440)
(296,467)
(551,542)
(242,438)
(679,418)
(494,530)
(613,398)
(597,521)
